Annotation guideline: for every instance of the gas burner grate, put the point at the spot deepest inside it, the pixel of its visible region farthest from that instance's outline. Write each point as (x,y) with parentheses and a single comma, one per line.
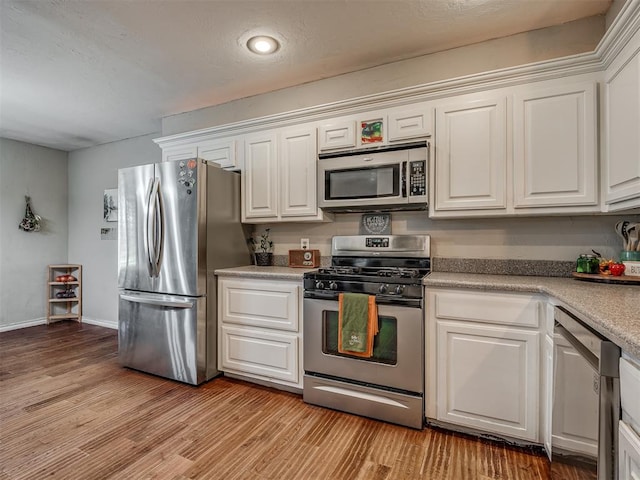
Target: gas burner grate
(338,270)
(398,272)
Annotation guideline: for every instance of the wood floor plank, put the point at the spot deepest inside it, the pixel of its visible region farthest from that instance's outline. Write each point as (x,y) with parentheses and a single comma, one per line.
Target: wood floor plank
(69,411)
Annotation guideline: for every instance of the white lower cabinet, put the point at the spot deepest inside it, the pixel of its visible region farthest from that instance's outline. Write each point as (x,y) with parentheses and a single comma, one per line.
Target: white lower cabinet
(268,354)
(483,356)
(260,330)
(628,453)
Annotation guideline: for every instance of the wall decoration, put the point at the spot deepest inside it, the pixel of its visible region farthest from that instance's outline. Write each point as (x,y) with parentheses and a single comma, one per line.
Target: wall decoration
(371,131)
(375,224)
(111,205)
(31,222)
(108,234)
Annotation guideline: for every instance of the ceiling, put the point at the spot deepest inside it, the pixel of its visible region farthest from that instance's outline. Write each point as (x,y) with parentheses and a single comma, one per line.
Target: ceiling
(80,73)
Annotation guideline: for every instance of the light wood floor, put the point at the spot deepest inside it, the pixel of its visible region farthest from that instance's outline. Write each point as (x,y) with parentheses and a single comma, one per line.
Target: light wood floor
(69,411)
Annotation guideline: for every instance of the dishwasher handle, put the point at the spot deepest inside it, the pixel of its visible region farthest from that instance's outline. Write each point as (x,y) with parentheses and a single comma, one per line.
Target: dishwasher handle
(602,354)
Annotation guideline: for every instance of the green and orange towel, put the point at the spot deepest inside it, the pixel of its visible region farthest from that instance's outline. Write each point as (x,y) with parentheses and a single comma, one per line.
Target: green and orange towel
(357,324)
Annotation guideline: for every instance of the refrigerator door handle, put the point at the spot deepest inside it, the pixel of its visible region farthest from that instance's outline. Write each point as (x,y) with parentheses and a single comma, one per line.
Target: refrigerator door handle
(157,301)
(152,240)
(148,242)
(159,244)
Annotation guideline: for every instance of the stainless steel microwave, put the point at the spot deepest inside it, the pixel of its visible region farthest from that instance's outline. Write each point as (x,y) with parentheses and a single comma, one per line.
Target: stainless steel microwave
(387,178)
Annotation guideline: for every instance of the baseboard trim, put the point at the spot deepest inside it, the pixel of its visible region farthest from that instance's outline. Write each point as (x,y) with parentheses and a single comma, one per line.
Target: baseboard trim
(113,324)
(23,324)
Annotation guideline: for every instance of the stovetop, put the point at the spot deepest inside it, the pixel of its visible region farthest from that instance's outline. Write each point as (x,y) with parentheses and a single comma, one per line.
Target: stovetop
(389,267)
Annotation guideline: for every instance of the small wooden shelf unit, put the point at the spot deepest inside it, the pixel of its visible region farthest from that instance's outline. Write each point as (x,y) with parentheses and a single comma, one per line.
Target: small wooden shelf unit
(64,308)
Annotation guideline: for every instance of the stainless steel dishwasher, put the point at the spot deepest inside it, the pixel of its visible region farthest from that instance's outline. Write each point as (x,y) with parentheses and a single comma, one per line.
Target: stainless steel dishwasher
(602,356)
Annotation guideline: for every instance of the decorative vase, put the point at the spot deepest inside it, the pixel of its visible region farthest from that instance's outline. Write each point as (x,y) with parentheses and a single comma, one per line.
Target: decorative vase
(264,259)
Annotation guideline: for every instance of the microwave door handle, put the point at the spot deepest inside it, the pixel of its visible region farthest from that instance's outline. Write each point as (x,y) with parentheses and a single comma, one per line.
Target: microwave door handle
(403,181)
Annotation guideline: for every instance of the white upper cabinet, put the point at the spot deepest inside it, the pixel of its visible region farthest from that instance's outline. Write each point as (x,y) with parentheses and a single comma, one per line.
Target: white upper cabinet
(298,173)
(375,128)
(621,136)
(555,140)
(407,123)
(260,177)
(337,134)
(224,152)
(529,149)
(471,154)
(279,176)
(184,152)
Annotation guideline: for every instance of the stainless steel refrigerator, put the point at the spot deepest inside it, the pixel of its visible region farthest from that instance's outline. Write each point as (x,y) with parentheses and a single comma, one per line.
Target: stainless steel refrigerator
(177,223)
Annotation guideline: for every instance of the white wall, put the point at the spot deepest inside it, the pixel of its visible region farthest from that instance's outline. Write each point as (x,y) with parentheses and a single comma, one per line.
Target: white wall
(41,173)
(530,238)
(571,38)
(91,171)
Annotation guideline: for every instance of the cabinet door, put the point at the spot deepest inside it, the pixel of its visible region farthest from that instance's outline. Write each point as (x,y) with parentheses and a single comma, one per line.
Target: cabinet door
(622,134)
(555,134)
(258,303)
(409,123)
(575,403)
(179,153)
(337,134)
(298,172)
(471,155)
(273,355)
(260,177)
(628,453)
(487,378)
(222,152)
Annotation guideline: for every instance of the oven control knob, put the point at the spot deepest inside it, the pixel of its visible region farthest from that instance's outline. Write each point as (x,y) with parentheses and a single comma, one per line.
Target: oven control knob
(399,289)
(333,285)
(383,288)
(319,285)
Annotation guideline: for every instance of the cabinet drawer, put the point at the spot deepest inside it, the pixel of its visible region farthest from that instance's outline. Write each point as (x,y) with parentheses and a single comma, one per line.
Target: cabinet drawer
(630,391)
(260,304)
(628,453)
(269,354)
(486,307)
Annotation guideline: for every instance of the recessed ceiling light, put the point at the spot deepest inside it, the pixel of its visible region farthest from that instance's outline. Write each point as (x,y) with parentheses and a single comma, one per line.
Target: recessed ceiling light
(262,45)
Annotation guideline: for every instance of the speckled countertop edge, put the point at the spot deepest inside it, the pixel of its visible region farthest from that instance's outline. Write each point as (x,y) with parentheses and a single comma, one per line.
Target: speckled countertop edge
(612,310)
(272,272)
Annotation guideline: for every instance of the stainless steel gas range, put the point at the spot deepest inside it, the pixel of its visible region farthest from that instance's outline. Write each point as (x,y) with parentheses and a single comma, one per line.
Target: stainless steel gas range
(389,385)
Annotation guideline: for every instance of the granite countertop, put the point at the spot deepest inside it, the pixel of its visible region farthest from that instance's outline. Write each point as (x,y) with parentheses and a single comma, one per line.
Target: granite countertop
(253,271)
(613,310)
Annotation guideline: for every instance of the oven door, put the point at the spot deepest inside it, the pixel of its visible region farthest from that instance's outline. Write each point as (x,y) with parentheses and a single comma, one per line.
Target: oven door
(397,361)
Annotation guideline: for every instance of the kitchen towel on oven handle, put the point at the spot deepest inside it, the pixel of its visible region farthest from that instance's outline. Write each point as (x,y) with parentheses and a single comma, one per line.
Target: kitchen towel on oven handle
(357,324)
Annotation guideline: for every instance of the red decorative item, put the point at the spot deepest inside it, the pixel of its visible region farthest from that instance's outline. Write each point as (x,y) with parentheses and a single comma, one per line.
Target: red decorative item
(617,269)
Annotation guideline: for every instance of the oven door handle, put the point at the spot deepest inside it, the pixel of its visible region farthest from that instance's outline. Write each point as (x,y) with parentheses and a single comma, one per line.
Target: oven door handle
(381,299)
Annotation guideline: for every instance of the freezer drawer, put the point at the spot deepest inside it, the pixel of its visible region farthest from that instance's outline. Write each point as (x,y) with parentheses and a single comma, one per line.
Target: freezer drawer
(164,335)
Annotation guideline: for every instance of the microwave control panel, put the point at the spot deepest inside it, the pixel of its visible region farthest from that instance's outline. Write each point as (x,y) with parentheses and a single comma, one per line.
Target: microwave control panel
(417,178)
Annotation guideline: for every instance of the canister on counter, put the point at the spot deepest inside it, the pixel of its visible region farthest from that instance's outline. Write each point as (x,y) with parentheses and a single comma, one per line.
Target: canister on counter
(587,263)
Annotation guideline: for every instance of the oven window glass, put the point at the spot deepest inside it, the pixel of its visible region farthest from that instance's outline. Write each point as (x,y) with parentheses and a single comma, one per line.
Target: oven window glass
(385,345)
(383,181)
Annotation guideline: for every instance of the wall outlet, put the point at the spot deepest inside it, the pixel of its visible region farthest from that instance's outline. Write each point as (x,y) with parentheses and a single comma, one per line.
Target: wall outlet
(304,243)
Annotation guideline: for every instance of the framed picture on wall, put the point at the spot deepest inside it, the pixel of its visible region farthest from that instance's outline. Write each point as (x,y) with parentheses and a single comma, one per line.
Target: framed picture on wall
(111,205)
(371,131)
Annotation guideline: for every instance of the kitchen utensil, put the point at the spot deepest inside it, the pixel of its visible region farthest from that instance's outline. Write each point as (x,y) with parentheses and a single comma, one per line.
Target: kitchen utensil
(621,230)
(633,233)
